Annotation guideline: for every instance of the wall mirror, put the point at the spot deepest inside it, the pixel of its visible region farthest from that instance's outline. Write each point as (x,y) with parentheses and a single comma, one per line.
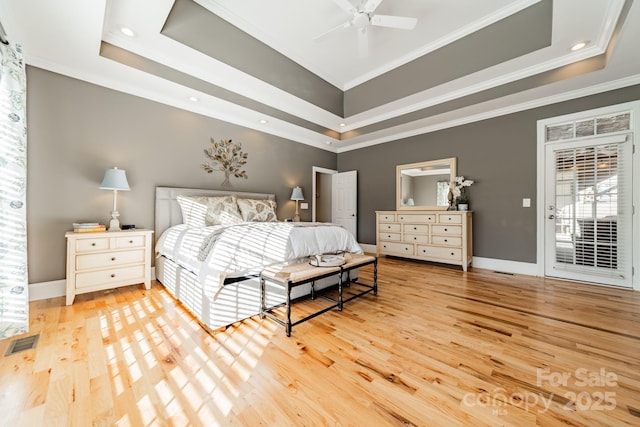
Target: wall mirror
(424,185)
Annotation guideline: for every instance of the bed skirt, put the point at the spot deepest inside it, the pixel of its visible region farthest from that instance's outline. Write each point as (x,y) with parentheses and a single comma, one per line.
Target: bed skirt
(235,302)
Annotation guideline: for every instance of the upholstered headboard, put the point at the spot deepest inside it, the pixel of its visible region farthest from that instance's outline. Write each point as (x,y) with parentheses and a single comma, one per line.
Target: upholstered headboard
(168,211)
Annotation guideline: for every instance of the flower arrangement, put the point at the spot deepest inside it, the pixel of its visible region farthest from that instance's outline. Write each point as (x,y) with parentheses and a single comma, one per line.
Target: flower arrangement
(460,190)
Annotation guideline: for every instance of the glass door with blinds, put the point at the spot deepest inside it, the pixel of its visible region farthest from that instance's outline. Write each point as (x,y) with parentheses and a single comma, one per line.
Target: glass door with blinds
(588,210)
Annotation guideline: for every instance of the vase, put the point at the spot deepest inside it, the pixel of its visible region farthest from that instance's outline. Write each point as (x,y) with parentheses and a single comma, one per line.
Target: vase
(463,207)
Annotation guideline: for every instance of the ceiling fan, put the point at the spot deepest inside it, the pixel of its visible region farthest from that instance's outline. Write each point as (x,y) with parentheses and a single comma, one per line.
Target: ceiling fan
(363,17)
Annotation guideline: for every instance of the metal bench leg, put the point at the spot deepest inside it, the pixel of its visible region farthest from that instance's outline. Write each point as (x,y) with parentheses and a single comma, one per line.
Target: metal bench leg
(375,277)
(263,305)
(288,325)
(340,289)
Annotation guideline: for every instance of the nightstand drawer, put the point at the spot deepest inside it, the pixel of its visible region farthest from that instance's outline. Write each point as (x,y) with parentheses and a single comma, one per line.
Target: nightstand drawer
(129,242)
(115,275)
(94,244)
(446,240)
(108,259)
(454,254)
(453,230)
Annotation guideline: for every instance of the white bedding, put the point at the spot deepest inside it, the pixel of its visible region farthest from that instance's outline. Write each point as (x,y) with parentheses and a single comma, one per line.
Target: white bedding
(218,252)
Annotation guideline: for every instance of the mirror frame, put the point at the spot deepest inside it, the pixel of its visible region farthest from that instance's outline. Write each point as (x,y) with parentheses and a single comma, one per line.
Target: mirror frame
(399,168)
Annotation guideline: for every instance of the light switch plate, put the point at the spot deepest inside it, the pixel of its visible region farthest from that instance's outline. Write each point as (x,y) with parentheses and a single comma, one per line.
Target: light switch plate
(526,203)
(304,205)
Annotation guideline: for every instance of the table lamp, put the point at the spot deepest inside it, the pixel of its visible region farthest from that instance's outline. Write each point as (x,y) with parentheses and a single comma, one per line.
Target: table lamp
(297,196)
(115,179)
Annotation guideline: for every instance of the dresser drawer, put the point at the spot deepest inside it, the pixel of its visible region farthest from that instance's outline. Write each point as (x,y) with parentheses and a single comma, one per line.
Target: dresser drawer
(395,228)
(449,219)
(114,275)
(387,217)
(391,237)
(108,259)
(416,238)
(452,230)
(396,248)
(446,240)
(417,218)
(95,244)
(452,254)
(128,242)
(416,228)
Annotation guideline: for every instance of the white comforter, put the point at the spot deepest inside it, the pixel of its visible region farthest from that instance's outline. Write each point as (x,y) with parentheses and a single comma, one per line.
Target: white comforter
(220,252)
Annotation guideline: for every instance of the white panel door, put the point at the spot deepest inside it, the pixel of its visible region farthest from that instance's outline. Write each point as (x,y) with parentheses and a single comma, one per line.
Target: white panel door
(344,200)
(588,210)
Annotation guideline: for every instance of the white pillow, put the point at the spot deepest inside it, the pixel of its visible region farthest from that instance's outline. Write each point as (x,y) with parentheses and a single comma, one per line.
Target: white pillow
(258,210)
(201,211)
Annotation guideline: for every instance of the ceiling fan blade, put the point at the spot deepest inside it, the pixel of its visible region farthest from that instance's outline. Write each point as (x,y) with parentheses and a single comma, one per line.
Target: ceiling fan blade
(346,6)
(324,35)
(400,22)
(371,5)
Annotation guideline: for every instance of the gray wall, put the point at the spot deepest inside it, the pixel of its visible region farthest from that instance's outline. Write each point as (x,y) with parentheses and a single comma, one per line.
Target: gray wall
(77,130)
(499,154)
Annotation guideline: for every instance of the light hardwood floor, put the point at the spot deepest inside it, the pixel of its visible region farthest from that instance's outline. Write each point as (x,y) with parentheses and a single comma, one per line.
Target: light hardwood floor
(436,347)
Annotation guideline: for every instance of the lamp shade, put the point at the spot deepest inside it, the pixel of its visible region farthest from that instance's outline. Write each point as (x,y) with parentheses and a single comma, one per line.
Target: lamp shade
(297,194)
(115,179)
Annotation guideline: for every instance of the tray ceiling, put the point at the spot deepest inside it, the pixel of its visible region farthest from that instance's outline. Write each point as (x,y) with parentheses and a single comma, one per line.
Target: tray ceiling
(258,64)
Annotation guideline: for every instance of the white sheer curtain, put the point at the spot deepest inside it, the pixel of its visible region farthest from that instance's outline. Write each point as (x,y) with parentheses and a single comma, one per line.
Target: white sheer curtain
(14,290)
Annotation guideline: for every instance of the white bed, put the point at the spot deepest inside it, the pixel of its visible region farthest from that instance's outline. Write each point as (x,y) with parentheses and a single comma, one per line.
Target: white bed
(206,282)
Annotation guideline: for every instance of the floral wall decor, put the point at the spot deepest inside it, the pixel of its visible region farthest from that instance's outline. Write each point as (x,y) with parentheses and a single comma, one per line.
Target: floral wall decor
(228,157)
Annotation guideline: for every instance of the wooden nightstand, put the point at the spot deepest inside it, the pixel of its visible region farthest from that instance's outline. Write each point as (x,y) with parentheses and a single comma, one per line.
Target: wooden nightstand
(107,260)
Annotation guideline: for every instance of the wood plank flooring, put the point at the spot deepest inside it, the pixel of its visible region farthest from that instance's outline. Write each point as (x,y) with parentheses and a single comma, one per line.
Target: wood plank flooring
(436,347)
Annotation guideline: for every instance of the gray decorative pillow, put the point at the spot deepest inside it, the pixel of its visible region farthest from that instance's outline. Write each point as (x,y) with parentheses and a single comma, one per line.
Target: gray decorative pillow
(258,210)
(201,211)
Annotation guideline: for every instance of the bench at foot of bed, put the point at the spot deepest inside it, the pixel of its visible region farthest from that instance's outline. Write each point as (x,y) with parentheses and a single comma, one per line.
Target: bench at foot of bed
(292,275)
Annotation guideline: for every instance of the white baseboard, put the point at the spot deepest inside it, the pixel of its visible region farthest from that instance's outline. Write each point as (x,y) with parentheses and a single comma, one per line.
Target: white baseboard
(46,290)
(57,288)
(371,249)
(505,266)
(499,265)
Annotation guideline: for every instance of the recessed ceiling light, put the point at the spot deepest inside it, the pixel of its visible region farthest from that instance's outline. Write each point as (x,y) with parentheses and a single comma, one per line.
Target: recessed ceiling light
(579,46)
(194,99)
(127,31)
(264,122)
(328,142)
(342,125)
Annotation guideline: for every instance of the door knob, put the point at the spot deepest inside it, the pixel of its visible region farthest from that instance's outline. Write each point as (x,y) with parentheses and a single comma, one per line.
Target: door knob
(552,216)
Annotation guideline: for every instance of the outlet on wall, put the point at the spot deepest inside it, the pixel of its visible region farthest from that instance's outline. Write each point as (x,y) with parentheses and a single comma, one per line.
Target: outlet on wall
(526,203)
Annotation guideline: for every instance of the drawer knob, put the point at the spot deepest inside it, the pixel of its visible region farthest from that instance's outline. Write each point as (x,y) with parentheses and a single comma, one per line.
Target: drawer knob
(445,240)
(113,275)
(452,253)
(93,244)
(446,229)
(113,258)
(415,228)
(415,238)
(130,241)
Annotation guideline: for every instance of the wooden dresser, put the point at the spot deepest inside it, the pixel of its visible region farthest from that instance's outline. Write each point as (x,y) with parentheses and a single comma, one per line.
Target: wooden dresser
(439,236)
